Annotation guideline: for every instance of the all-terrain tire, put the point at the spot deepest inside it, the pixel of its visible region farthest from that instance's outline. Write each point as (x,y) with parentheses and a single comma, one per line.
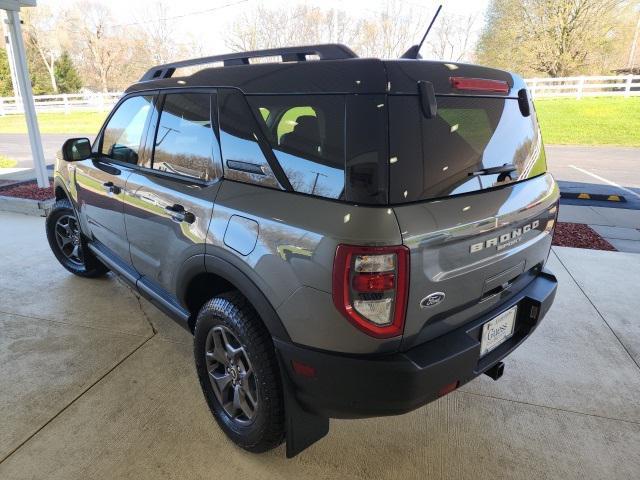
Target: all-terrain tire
(83,263)
(232,315)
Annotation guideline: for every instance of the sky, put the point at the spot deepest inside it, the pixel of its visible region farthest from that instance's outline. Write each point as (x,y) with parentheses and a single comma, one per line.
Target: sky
(207,19)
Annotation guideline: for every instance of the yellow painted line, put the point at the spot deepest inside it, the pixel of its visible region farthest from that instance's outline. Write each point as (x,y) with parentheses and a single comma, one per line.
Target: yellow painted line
(584,196)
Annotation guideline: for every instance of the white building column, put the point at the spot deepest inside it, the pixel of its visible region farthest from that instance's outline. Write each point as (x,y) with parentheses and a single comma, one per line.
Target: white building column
(24,84)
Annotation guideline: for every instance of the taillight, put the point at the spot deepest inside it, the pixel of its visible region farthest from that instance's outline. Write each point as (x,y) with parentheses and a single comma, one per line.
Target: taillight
(479,84)
(370,286)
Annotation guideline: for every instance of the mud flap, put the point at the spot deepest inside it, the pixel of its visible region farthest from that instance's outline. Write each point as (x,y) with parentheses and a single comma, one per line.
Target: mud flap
(303,428)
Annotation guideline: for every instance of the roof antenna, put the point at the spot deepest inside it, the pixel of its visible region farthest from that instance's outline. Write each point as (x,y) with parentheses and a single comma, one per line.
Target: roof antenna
(414,52)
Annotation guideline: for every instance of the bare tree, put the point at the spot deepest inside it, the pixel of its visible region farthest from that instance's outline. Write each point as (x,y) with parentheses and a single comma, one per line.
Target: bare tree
(451,38)
(387,34)
(42,35)
(91,23)
(111,55)
(391,32)
(159,35)
(266,28)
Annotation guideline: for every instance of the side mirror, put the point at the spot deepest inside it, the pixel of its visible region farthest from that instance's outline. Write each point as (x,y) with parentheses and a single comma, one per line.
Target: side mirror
(76,149)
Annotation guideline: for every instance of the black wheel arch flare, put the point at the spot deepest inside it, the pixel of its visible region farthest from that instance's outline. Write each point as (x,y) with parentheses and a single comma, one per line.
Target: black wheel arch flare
(211,264)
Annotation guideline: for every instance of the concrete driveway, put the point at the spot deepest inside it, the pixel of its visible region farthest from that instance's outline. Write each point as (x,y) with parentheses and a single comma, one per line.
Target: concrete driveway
(96,384)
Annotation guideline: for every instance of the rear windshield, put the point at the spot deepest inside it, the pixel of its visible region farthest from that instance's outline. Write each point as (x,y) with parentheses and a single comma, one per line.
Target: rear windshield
(450,154)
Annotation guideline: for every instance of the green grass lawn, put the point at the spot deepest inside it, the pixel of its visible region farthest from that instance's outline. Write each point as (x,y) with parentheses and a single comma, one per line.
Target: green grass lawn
(590,121)
(74,122)
(6,162)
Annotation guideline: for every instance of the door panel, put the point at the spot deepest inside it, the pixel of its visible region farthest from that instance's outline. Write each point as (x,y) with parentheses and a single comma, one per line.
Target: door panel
(100,186)
(169,205)
(161,234)
(101,180)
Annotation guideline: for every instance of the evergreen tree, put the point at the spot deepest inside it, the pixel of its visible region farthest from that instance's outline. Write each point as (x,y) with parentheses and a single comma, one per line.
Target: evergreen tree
(6,88)
(40,82)
(67,76)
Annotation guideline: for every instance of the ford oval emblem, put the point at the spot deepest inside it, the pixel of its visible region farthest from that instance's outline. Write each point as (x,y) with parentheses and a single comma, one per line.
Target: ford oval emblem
(432,300)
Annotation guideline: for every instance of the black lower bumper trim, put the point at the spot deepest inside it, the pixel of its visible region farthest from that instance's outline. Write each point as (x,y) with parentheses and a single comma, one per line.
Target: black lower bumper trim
(356,386)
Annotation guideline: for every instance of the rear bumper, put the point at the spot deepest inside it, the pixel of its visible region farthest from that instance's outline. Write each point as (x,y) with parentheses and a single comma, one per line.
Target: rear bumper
(349,386)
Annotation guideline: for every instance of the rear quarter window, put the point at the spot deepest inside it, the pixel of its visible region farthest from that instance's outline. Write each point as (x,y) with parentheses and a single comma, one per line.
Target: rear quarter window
(243,152)
(306,134)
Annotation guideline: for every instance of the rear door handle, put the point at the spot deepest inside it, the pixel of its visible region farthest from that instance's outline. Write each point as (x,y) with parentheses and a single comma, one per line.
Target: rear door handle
(111,188)
(179,214)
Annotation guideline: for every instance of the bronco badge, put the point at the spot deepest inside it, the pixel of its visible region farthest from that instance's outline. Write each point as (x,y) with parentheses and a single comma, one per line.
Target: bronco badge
(506,239)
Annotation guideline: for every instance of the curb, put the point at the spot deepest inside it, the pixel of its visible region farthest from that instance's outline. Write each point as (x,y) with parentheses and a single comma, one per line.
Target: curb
(38,208)
(593,196)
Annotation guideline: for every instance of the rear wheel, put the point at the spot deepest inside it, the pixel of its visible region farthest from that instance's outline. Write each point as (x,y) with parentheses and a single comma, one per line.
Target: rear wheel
(238,373)
(67,243)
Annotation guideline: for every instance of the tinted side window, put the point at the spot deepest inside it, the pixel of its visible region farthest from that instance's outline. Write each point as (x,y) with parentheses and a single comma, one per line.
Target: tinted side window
(185,141)
(306,133)
(122,135)
(243,157)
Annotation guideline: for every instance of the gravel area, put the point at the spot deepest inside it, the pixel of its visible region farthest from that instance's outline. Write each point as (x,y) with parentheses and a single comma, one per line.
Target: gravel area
(578,235)
(27,190)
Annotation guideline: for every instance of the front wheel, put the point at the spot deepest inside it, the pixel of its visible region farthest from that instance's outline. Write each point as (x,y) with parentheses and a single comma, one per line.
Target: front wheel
(67,243)
(238,373)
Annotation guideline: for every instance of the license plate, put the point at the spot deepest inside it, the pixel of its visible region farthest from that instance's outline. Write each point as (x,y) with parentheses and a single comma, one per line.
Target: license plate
(497,331)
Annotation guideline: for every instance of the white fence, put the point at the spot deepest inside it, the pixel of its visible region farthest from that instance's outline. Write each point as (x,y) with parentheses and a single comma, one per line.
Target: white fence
(63,103)
(576,87)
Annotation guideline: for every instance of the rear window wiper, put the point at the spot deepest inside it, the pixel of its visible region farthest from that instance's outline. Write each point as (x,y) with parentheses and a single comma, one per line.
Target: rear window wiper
(506,168)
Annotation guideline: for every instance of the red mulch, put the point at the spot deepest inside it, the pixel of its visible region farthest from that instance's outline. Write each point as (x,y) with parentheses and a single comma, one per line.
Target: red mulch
(27,190)
(578,235)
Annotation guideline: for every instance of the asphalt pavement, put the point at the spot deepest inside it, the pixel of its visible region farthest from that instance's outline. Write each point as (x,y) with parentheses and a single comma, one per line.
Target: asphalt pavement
(597,170)
(16,146)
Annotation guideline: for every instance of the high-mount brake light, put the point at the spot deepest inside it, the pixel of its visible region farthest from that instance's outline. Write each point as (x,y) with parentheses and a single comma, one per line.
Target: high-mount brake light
(370,287)
(479,84)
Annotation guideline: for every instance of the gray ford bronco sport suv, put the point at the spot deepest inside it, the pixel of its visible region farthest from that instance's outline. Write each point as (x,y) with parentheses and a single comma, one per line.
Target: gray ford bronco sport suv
(344,237)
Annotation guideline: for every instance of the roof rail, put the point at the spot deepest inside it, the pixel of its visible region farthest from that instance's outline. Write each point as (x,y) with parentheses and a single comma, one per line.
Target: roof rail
(327,51)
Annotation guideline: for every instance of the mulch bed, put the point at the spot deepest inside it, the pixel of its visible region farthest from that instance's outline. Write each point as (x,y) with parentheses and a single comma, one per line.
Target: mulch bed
(28,190)
(578,235)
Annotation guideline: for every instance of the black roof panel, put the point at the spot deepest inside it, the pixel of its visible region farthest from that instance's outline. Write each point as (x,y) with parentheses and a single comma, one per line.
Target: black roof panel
(322,76)
(344,76)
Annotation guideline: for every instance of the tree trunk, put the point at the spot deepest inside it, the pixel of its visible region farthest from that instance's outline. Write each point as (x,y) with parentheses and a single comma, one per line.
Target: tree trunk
(52,75)
(49,65)
(103,81)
